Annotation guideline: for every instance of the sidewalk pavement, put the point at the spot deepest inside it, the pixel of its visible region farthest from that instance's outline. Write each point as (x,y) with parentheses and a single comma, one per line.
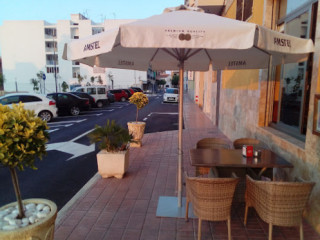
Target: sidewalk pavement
(126,208)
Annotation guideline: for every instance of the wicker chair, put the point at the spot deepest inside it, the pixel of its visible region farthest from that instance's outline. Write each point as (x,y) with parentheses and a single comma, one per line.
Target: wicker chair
(211,199)
(238,143)
(278,203)
(210,143)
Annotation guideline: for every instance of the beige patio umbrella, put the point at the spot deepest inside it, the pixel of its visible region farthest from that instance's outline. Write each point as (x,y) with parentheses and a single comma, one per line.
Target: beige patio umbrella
(182,39)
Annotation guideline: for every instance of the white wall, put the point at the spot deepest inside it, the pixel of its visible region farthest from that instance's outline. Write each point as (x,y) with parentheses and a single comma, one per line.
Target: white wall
(22,53)
(22,45)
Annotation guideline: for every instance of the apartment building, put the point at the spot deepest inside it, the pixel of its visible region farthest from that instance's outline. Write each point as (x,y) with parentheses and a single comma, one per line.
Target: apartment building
(281,110)
(28,47)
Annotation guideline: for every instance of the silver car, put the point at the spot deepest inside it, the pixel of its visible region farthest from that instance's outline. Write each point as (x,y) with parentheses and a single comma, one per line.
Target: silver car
(44,107)
(171,95)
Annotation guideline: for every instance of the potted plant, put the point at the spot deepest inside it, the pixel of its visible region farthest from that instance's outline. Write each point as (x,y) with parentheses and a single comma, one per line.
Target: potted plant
(23,137)
(137,128)
(113,159)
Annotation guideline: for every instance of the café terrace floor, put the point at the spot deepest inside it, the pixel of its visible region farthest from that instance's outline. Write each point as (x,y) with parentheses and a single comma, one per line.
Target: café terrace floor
(126,208)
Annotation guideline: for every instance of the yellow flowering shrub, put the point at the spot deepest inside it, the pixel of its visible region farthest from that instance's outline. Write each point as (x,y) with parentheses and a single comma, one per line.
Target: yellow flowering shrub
(23,137)
(140,100)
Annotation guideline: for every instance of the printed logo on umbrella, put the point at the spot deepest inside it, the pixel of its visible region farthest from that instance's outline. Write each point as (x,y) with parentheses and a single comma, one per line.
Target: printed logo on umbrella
(185,34)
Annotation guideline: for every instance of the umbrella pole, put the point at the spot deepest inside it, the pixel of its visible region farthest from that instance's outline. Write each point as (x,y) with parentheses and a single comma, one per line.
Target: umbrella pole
(180,151)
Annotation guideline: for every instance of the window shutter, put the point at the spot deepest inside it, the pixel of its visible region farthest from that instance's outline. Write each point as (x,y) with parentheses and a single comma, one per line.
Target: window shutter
(239,10)
(247,9)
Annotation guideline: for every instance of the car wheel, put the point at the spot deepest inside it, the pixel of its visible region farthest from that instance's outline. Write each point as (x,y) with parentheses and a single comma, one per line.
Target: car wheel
(45,116)
(99,104)
(74,111)
(123,99)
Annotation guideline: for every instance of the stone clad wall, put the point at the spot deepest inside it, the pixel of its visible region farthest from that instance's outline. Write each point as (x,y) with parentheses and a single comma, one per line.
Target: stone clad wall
(243,107)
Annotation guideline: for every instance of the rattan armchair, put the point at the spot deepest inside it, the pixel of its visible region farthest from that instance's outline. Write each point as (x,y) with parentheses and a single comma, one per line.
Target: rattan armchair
(210,143)
(278,203)
(211,199)
(238,143)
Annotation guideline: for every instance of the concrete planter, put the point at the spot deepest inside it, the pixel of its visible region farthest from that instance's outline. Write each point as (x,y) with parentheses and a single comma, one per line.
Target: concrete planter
(137,131)
(42,230)
(113,164)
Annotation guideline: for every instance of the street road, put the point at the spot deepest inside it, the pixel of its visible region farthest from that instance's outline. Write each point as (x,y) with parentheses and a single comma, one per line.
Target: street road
(71,159)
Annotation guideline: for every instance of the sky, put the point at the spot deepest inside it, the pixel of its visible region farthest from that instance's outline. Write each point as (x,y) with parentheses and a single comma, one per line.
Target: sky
(96,10)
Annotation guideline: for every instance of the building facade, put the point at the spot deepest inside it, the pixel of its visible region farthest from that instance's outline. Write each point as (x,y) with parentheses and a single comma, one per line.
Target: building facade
(30,47)
(283,109)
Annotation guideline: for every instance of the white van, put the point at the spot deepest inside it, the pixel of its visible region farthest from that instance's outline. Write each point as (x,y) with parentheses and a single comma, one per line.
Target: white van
(98,92)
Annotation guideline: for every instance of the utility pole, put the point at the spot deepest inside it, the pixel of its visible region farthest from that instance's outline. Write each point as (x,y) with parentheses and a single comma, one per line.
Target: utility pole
(55,64)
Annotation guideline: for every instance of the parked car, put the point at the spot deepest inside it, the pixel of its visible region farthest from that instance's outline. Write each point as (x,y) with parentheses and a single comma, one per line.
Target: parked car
(119,95)
(69,103)
(128,92)
(98,92)
(43,107)
(132,91)
(92,100)
(137,89)
(171,95)
(111,98)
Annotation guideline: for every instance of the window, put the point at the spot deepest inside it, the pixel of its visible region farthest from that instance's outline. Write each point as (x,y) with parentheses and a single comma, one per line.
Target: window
(292,88)
(9,100)
(51,70)
(101,90)
(50,32)
(51,46)
(75,72)
(52,59)
(244,9)
(91,90)
(96,30)
(26,99)
(80,90)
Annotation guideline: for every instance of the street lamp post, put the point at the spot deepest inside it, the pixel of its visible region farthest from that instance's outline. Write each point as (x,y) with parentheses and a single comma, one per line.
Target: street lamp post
(55,64)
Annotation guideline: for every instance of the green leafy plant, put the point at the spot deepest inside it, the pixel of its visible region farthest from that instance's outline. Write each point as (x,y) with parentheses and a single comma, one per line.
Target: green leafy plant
(140,100)
(112,137)
(23,137)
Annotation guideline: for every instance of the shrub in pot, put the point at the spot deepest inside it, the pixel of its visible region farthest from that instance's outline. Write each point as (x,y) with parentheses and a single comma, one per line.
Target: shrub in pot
(137,128)
(23,138)
(113,139)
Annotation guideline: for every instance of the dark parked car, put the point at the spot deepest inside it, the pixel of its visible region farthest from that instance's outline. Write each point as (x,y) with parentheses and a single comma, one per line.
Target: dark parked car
(111,97)
(69,103)
(137,89)
(119,95)
(92,101)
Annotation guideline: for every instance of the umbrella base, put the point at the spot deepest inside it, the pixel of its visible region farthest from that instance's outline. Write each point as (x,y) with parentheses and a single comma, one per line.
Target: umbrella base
(168,207)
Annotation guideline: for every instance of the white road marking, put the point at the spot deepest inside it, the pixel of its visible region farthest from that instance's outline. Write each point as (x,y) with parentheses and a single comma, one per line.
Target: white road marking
(145,119)
(62,125)
(73,148)
(53,130)
(104,110)
(72,121)
(164,113)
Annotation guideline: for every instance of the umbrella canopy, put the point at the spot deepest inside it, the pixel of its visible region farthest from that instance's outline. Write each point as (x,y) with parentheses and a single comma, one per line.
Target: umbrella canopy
(187,39)
(207,38)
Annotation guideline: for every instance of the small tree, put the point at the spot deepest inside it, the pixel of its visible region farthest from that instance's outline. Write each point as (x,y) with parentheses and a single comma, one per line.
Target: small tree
(23,137)
(110,76)
(175,80)
(35,83)
(80,79)
(92,79)
(100,80)
(2,80)
(64,86)
(140,100)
